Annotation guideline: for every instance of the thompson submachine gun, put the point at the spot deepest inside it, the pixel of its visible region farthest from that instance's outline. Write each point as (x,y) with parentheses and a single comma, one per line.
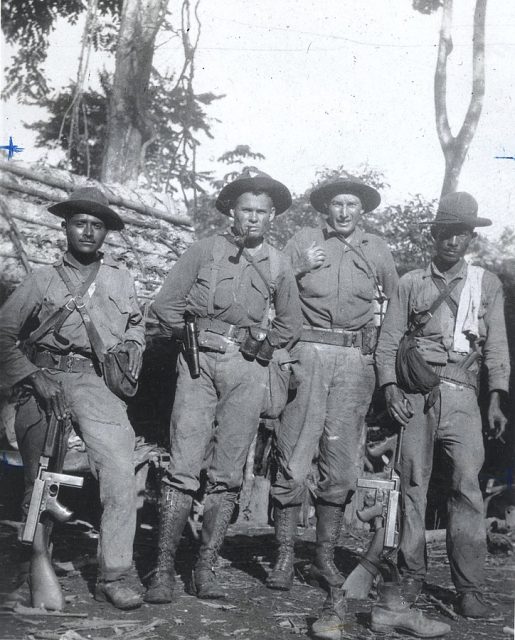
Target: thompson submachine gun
(382,509)
(44,508)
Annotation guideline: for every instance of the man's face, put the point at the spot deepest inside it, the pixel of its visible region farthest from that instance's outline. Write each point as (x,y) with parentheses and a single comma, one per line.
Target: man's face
(452,242)
(343,213)
(252,214)
(85,233)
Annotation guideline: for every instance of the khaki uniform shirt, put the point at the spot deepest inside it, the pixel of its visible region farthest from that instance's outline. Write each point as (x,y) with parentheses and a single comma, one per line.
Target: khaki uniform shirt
(340,293)
(240,294)
(415,294)
(112,305)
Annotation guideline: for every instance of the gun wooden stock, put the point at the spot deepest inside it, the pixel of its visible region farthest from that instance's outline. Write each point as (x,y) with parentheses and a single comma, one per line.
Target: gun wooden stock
(45,590)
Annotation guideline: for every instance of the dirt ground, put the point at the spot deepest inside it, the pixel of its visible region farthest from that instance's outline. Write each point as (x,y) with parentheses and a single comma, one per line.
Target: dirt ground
(250,612)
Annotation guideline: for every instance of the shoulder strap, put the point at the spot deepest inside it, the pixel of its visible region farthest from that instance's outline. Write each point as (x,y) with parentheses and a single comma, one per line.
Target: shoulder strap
(450,302)
(97,344)
(59,317)
(361,255)
(430,312)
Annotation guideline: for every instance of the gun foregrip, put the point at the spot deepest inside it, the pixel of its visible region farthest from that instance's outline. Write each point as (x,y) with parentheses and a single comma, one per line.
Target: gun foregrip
(369,513)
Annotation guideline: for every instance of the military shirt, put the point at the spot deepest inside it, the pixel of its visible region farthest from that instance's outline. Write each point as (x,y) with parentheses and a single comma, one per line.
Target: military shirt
(111,303)
(415,294)
(340,293)
(240,295)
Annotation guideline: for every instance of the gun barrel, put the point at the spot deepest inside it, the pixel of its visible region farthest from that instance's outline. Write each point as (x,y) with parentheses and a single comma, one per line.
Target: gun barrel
(36,500)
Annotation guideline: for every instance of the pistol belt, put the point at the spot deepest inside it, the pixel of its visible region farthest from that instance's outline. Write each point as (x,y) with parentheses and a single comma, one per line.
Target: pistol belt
(231,332)
(364,339)
(71,363)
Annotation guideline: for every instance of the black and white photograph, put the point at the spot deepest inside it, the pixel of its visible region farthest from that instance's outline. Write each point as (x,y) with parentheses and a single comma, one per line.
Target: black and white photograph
(257,319)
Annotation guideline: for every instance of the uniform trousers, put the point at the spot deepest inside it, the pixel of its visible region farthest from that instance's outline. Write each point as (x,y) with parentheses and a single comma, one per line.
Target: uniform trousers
(100,419)
(334,388)
(455,422)
(220,408)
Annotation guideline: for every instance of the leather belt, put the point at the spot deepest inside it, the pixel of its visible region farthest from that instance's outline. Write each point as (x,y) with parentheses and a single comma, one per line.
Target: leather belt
(230,332)
(457,375)
(72,363)
(336,337)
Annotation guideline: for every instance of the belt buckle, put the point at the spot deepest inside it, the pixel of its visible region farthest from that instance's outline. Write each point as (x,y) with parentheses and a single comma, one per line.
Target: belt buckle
(231,332)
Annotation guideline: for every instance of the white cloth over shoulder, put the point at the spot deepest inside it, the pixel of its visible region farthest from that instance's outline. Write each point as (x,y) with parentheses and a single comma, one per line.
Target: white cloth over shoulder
(467,319)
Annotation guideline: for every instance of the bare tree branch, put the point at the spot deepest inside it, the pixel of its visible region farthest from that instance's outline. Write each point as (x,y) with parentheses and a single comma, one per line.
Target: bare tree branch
(440,82)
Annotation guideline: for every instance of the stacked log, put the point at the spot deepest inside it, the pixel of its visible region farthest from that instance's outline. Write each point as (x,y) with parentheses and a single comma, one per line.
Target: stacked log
(157,229)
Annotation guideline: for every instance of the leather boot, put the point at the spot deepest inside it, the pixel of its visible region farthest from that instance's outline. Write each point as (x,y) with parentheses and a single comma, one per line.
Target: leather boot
(218,509)
(124,592)
(174,509)
(393,613)
(472,605)
(329,523)
(331,623)
(285,520)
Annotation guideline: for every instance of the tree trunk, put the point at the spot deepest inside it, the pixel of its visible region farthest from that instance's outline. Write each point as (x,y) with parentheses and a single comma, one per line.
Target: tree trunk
(455,147)
(128,128)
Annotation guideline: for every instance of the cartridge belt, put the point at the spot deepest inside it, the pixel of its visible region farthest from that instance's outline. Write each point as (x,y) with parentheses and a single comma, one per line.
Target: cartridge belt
(365,338)
(452,372)
(71,363)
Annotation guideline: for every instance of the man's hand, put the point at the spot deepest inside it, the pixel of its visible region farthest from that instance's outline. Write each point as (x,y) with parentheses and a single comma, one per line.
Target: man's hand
(312,258)
(398,406)
(51,392)
(135,358)
(496,418)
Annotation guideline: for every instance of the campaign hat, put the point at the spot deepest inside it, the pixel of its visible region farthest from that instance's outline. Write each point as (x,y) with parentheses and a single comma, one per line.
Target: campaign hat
(458,207)
(251,179)
(326,191)
(92,201)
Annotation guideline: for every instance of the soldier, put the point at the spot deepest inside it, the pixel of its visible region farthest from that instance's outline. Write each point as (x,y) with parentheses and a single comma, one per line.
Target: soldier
(226,283)
(64,376)
(344,275)
(466,327)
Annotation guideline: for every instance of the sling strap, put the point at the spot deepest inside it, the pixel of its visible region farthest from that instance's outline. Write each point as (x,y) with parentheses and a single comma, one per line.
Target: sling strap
(59,316)
(450,302)
(380,295)
(218,256)
(97,344)
(427,315)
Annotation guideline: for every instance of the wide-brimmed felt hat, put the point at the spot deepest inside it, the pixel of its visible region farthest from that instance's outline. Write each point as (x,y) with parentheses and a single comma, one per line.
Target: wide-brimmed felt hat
(92,201)
(325,192)
(251,179)
(458,207)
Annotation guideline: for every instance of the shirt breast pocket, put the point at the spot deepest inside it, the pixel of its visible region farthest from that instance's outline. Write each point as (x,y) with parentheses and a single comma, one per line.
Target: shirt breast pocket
(119,310)
(363,282)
